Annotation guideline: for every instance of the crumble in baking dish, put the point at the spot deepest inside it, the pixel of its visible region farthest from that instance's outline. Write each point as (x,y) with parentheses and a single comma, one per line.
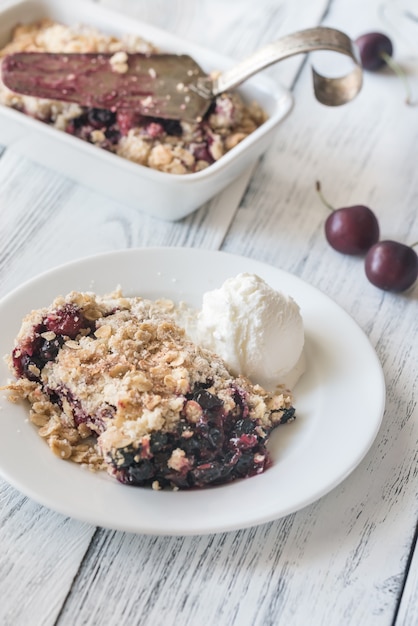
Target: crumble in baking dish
(166,145)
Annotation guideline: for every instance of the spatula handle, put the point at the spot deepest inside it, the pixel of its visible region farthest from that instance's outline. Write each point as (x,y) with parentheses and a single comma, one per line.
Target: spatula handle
(329,91)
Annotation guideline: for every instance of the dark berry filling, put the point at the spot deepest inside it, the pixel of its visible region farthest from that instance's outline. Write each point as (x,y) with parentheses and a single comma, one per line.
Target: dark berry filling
(219,448)
(27,366)
(31,355)
(50,348)
(117,125)
(96,422)
(92,120)
(172,127)
(201,152)
(100,118)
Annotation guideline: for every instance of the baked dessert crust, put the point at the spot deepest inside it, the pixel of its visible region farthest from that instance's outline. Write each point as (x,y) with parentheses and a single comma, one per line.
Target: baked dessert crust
(113,382)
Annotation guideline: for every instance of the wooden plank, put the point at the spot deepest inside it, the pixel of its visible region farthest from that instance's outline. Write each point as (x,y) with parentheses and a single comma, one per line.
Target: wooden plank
(87,222)
(40,556)
(407,612)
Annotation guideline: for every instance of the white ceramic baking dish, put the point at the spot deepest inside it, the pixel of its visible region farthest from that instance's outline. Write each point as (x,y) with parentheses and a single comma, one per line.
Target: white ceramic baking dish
(167,196)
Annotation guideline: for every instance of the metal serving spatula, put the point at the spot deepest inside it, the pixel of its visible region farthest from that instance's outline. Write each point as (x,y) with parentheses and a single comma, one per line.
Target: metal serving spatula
(168,85)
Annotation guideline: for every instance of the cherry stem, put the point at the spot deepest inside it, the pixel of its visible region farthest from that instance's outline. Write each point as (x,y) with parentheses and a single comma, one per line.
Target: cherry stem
(322,197)
(399,73)
(414,245)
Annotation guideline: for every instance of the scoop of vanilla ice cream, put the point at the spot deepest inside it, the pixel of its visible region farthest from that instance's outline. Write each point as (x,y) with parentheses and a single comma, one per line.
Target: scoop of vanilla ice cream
(256,330)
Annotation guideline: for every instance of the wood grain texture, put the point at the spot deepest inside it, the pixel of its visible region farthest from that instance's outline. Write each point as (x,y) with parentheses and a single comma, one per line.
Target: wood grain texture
(350,557)
(35,572)
(28,241)
(407,611)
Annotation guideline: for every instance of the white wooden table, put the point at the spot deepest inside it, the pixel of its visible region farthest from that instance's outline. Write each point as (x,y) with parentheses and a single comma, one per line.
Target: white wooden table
(349,558)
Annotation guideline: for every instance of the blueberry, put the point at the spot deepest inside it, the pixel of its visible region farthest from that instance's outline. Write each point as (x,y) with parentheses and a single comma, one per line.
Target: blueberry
(191,446)
(123,458)
(50,349)
(207,400)
(209,473)
(29,365)
(172,127)
(288,414)
(215,437)
(141,472)
(244,426)
(244,465)
(158,442)
(76,123)
(100,118)
(113,135)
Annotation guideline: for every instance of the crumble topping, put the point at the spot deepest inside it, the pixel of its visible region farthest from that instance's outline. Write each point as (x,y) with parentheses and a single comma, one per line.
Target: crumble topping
(165,145)
(119,62)
(114,383)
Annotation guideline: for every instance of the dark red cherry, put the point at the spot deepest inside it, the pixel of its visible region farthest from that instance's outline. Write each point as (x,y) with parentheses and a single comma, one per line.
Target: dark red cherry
(67,321)
(350,230)
(391,266)
(376,50)
(373,49)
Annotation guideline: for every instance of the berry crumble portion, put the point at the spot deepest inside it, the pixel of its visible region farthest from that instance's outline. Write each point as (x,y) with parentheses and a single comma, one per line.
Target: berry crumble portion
(114,383)
(166,145)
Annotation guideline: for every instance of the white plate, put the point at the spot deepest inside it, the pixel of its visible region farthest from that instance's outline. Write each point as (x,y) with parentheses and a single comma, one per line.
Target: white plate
(339,402)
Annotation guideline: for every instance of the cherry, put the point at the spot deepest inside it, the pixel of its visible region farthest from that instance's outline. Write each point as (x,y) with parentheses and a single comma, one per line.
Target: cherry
(67,321)
(350,230)
(391,265)
(376,50)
